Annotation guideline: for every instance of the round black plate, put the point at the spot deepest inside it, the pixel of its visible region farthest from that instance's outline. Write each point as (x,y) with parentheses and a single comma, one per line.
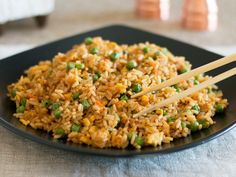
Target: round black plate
(12,67)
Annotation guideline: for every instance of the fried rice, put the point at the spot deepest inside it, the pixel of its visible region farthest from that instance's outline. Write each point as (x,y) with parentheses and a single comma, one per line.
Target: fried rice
(84,96)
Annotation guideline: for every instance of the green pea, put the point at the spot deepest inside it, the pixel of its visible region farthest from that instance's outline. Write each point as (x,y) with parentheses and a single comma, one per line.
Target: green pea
(20,109)
(95,77)
(196,108)
(80,66)
(76,127)
(197,77)
(13,93)
(183,124)
(183,70)
(204,123)
(59,131)
(171,119)
(124,97)
(76,95)
(139,141)
(219,108)
(131,65)
(136,88)
(164,112)
(69,66)
(94,51)
(57,114)
(88,40)
(177,88)
(209,90)
(55,106)
(131,135)
(47,103)
(23,102)
(114,56)
(158,53)
(145,50)
(161,111)
(85,104)
(195,82)
(98,73)
(193,126)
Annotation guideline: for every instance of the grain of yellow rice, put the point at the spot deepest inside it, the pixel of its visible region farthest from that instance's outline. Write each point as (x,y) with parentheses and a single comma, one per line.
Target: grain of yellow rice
(84,96)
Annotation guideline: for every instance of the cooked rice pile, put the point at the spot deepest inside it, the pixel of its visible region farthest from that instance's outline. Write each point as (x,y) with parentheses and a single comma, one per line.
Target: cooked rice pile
(84,96)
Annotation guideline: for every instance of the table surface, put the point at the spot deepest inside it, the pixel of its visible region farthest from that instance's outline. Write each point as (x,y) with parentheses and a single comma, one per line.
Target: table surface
(22,157)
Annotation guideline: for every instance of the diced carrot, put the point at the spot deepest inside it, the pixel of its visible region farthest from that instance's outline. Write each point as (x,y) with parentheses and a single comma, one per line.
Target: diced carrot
(120,104)
(155,66)
(30,95)
(67,96)
(70,79)
(145,100)
(120,88)
(99,103)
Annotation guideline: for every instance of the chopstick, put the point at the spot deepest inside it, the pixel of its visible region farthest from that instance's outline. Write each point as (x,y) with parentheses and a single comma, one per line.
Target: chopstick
(185,76)
(187,92)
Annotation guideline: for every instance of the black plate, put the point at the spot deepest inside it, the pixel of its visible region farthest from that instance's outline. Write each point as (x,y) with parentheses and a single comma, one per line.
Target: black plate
(12,67)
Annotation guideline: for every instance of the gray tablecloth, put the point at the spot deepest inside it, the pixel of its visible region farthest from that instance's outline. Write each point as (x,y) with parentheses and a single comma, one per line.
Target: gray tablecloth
(21,157)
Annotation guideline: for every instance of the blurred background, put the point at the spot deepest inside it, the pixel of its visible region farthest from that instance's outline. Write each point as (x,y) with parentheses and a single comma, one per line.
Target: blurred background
(71,17)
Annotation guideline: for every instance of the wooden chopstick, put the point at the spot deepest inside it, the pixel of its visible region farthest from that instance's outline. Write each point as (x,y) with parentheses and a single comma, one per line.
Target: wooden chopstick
(185,76)
(189,91)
